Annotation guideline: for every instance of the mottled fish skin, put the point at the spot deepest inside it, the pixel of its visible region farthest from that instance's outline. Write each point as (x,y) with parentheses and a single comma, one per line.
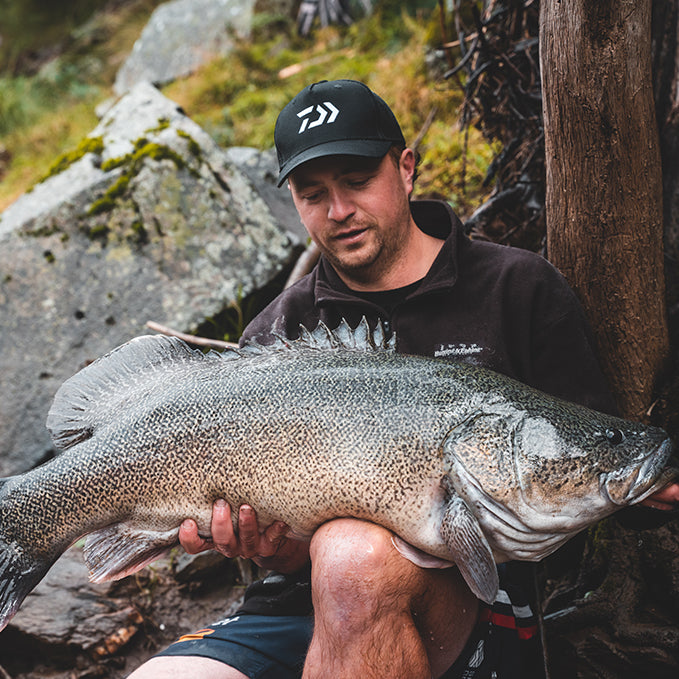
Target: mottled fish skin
(463,464)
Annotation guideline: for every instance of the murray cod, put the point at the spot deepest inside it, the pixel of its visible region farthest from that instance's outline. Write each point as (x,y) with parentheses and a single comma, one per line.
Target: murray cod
(462,464)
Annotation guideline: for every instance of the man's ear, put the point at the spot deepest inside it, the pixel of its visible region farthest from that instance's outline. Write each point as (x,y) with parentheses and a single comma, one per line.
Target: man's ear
(407,169)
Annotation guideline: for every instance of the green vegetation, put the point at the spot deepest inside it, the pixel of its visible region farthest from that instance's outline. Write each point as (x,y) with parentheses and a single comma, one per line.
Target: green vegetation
(236,99)
(132,164)
(194,146)
(143,148)
(65,160)
(48,107)
(107,201)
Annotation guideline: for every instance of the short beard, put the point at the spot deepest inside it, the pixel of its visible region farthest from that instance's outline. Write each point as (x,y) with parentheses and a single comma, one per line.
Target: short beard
(368,271)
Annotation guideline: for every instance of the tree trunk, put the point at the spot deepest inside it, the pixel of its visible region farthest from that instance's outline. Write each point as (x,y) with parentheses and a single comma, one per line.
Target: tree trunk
(605,233)
(666,86)
(604,184)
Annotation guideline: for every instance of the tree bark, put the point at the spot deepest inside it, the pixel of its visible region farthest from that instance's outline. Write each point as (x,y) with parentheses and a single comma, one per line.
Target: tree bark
(666,86)
(604,183)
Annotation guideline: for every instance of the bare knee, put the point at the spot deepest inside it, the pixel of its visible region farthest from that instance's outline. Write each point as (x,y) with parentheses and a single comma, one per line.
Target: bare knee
(354,548)
(356,568)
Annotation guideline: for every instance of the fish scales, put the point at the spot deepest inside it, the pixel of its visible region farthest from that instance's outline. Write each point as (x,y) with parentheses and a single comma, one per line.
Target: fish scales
(461,463)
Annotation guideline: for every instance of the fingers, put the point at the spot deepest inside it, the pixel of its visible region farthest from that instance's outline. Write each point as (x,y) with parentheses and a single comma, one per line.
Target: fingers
(667,498)
(189,538)
(272,539)
(224,540)
(248,542)
(248,532)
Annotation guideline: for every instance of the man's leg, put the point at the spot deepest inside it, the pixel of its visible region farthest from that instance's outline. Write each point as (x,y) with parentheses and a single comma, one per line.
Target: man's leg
(376,613)
(245,646)
(185,666)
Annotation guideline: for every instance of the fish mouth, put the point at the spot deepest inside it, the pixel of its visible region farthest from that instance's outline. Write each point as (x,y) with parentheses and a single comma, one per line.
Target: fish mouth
(635,483)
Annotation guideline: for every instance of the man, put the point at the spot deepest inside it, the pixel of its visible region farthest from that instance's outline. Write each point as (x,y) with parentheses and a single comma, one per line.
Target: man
(376,614)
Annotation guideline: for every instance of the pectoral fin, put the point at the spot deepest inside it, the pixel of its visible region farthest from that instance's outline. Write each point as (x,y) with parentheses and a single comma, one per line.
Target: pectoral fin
(461,532)
(120,550)
(417,556)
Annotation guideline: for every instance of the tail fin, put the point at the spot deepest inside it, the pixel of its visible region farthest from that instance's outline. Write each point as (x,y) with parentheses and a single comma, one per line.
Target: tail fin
(19,571)
(18,576)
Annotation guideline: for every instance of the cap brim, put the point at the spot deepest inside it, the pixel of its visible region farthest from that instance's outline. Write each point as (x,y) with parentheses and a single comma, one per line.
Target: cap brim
(366,148)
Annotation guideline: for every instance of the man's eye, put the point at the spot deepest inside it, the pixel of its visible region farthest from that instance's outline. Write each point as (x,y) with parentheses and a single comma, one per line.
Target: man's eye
(312,197)
(358,182)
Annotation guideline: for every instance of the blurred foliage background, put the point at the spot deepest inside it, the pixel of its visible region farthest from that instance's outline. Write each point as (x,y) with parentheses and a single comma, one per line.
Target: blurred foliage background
(58,62)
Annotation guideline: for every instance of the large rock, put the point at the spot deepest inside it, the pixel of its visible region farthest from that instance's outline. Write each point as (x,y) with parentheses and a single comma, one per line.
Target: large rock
(66,610)
(67,622)
(152,222)
(180,36)
(261,168)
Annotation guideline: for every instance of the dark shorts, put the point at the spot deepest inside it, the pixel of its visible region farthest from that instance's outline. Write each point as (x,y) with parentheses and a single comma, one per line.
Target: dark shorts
(274,647)
(259,646)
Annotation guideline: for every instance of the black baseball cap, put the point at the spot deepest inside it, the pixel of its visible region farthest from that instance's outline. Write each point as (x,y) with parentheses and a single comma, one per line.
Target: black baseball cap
(334,117)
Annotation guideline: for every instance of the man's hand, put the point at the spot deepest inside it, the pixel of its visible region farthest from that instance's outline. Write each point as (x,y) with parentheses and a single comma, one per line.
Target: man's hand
(270,548)
(667,498)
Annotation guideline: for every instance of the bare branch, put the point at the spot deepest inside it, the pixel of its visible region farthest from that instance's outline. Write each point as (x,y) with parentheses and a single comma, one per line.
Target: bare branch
(191,339)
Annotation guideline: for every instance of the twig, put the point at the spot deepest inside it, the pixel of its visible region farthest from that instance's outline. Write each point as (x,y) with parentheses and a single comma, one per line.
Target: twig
(461,64)
(294,69)
(541,622)
(306,261)
(425,128)
(4,674)
(456,43)
(191,339)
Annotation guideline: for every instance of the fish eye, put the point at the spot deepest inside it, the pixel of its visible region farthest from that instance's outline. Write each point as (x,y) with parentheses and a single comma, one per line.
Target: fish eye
(614,436)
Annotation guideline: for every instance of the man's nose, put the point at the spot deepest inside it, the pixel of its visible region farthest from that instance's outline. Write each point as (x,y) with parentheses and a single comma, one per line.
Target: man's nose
(340,207)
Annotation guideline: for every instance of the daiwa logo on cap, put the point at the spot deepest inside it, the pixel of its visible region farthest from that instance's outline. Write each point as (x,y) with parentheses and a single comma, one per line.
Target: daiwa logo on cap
(323,113)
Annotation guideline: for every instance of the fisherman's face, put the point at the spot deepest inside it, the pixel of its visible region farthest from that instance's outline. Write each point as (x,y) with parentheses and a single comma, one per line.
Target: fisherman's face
(356,210)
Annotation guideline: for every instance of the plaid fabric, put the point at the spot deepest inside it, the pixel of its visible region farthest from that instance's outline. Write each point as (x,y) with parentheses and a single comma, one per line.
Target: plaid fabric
(512,613)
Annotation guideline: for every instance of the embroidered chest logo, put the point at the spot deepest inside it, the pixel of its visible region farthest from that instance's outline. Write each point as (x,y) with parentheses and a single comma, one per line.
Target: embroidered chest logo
(458,349)
(326,113)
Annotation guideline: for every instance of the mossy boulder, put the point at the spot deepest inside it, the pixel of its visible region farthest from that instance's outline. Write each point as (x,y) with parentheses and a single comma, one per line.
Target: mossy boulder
(147,219)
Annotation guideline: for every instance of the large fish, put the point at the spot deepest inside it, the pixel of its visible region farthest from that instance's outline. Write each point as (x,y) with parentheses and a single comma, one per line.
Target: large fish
(464,465)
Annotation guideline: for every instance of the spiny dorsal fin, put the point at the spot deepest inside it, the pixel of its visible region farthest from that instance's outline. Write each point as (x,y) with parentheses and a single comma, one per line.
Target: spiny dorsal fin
(362,338)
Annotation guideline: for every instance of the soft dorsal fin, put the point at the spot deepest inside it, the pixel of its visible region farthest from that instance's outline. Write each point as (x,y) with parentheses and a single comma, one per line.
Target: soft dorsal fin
(88,400)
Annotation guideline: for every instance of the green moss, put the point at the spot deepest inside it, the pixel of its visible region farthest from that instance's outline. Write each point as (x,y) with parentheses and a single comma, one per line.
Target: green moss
(98,231)
(143,149)
(138,234)
(163,124)
(160,152)
(132,164)
(107,201)
(599,537)
(64,161)
(194,146)
(42,232)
